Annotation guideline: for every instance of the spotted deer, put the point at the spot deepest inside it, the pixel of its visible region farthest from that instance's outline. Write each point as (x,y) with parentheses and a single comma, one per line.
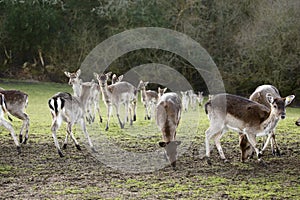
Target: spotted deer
(16,103)
(70,109)
(298,122)
(5,123)
(89,91)
(116,95)
(226,111)
(259,95)
(168,113)
(148,98)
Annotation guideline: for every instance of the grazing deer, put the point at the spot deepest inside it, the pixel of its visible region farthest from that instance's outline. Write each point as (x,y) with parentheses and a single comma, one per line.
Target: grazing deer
(89,91)
(226,111)
(68,108)
(168,113)
(16,102)
(5,123)
(298,122)
(148,98)
(116,79)
(185,100)
(259,95)
(161,91)
(200,98)
(115,95)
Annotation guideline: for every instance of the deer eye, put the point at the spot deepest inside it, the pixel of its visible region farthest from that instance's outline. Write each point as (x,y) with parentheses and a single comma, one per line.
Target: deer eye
(275,106)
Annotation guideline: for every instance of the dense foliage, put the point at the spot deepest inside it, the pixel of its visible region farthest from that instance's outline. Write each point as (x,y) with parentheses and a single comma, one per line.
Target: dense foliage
(251,41)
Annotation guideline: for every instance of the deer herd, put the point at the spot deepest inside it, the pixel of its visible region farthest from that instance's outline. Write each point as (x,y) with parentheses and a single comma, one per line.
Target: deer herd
(251,118)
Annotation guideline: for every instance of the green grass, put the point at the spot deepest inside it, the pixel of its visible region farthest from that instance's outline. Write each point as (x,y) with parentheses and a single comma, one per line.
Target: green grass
(39,173)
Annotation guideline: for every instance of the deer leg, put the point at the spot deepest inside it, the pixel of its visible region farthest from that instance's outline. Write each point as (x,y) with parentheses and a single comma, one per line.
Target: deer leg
(252,140)
(25,126)
(274,145)
(134,110)
(69,131)
(82,123)
(267,142)
(109,111)
(218,145)
(54,127)
(118,116)
(209,133)
(9,127)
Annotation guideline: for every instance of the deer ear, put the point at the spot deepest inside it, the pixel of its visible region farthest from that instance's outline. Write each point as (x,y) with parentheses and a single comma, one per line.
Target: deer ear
(269,98)
(162,144)
(146,83)
(67,74)
(78,72)
(165,89)
(108,74)
(289,99)
(120,78)
(95,75)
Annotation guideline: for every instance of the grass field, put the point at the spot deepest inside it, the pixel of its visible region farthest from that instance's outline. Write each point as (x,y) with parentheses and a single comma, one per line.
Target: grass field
(129,164)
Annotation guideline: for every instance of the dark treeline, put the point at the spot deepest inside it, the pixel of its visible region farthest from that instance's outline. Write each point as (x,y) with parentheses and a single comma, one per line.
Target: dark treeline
(251,41)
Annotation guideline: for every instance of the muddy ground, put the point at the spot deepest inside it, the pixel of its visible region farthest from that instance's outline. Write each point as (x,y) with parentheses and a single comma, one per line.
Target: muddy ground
(39,173)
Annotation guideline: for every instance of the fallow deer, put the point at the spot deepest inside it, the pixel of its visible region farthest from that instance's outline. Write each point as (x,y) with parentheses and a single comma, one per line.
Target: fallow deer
(192,98)
(68,108)
(185,100)
(161,91)
(148,98)
(5,123)
(89,91)
(226,111)
(259,95)
(16,102)
(116,95)
(200,98)
(168,114)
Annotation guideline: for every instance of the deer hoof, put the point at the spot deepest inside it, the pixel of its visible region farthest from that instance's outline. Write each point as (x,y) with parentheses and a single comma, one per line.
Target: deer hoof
(64,146)
(60,154)
(18,149)
(20,138)
(101,120)
(78,147)
(226,161)
(208,161)
(94,150)
(134,117)
(25,141)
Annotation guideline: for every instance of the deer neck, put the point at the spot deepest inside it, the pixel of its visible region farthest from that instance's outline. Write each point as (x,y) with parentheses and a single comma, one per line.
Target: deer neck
(105,92)
(77,88)
(271,122)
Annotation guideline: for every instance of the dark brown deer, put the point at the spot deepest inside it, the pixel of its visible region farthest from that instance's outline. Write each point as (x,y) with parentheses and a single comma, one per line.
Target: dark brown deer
(168,113)
(226,111)
(16,102)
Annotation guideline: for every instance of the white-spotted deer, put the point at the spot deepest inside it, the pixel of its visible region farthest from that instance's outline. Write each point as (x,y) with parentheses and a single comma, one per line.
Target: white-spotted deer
(226,111)
(89,91)
(259,95)
(298,122)
(168,113)
(5,123)
(148,98)
(68,108)
(116,95)
(16,102)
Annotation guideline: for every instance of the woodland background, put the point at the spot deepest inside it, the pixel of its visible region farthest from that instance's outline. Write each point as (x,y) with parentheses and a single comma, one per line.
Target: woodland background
(252,42)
